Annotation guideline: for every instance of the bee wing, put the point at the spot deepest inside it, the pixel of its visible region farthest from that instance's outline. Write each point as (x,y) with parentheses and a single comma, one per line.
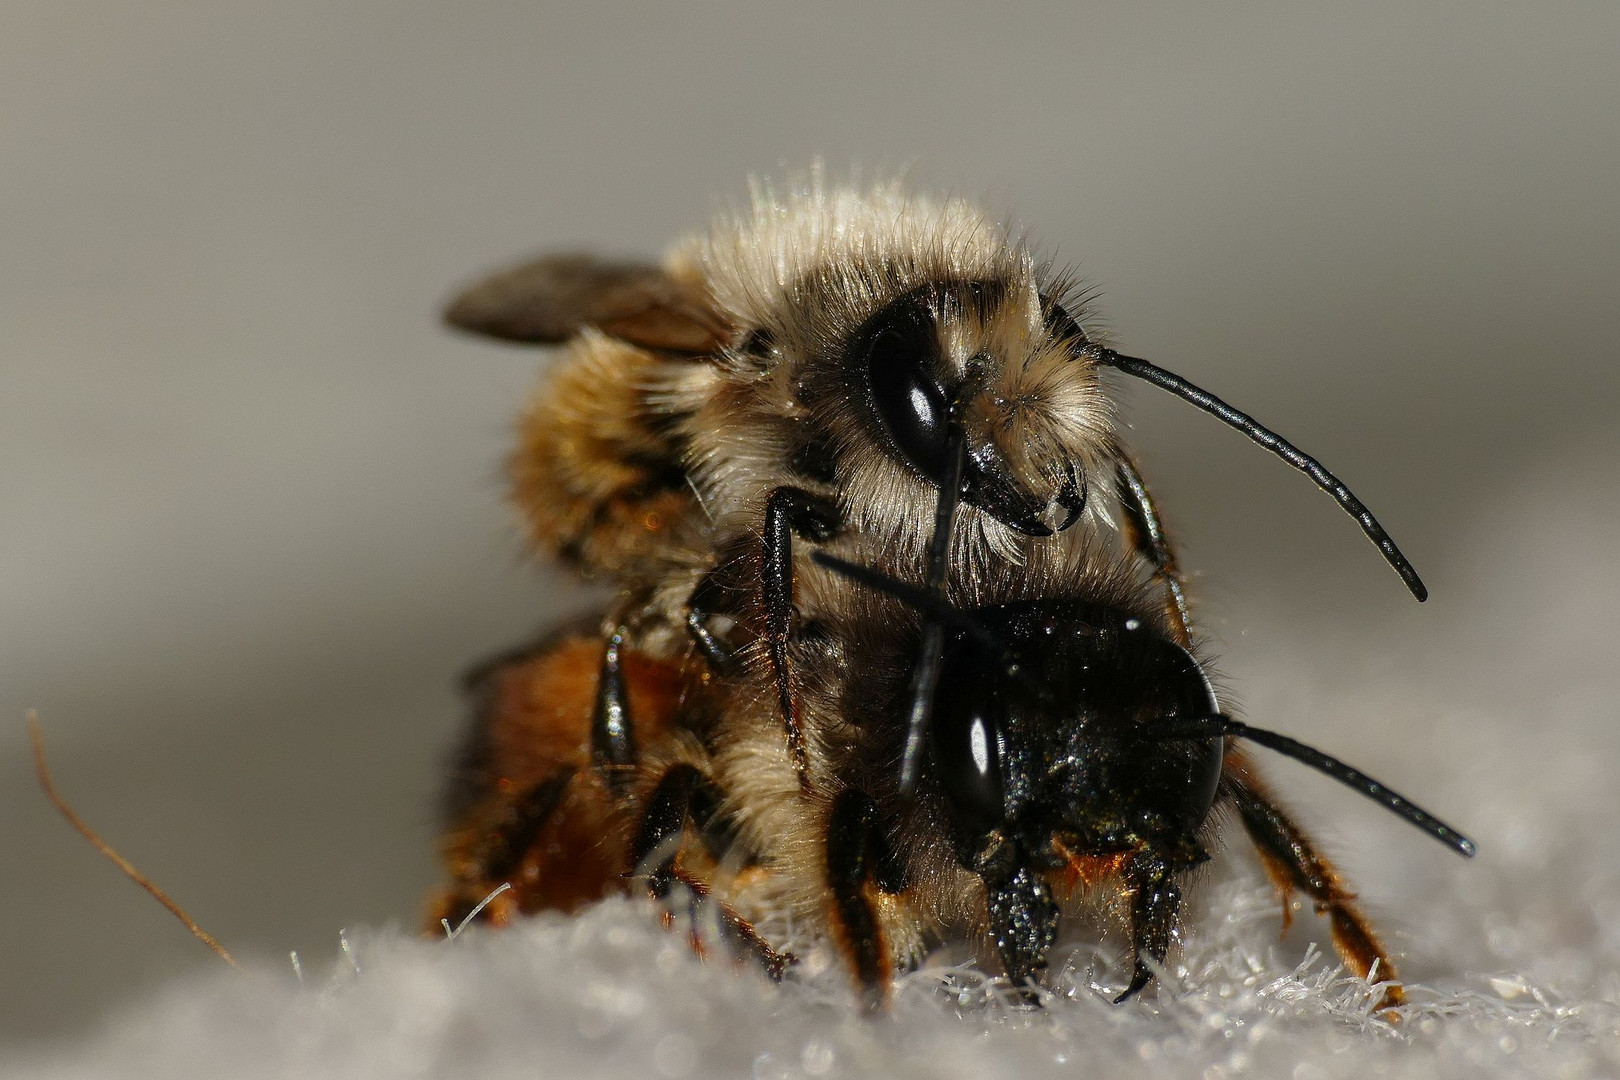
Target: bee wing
(552,299)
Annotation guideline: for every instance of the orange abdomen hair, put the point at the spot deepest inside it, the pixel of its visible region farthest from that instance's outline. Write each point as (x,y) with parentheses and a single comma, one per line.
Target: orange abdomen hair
(537,813)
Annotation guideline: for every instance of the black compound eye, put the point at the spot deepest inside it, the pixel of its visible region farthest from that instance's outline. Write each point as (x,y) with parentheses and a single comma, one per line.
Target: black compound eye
(967,748)
(909,402)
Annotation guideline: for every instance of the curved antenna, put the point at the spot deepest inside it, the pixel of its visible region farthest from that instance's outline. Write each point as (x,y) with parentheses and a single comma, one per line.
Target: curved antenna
(1209,726)
(1279,446)
(933,606)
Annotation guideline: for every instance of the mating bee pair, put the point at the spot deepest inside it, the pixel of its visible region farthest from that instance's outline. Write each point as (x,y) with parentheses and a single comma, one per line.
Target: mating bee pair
(900,646)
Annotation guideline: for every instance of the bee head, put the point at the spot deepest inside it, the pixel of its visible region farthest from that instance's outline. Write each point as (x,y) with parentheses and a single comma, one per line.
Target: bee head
(1004,365)
(1044,743)
(1044,749)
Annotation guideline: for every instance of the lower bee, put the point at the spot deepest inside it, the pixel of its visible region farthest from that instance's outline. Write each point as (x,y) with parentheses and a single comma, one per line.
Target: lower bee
(1066,741)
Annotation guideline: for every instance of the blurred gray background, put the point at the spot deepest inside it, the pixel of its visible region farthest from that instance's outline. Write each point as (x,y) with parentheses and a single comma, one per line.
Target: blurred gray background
(253,521)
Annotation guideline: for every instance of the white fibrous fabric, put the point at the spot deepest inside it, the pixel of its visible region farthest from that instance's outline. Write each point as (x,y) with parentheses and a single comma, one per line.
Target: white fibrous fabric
(1512,960)
(609,994)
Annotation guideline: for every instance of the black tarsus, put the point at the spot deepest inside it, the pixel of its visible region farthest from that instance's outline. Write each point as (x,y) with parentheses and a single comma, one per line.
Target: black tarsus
(613,731)
(926,677)
(1348,775)
(1276,444)
(1023,923)
(789,510)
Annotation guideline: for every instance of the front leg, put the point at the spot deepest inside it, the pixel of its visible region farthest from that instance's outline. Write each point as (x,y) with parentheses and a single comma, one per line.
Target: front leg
(789,510)
(1147,536)
(1155,904)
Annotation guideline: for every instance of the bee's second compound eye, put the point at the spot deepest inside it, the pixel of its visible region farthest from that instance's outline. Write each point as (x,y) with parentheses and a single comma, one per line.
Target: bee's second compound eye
(967,750)
(910,404)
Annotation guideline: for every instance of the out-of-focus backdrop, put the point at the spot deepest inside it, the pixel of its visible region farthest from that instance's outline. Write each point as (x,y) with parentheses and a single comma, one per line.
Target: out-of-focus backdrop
(253,520)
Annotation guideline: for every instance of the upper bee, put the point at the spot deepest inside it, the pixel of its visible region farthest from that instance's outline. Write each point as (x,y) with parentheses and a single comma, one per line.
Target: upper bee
(826,340)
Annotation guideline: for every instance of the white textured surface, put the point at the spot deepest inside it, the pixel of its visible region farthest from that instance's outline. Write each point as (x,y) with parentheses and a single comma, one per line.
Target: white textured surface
(608,994)
(1515,957)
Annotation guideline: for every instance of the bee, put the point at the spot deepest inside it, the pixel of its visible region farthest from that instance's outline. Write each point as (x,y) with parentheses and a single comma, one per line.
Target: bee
(1071,745)
(727,435)
(792,374)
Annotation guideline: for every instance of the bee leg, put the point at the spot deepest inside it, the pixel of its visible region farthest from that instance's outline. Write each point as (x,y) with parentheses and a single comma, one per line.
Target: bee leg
(685,795)
(1155,903)
(859,855)
(495,856)
(1148,537)
(1292,861)
(613,732)
(789,510)
(1024,920)
(704,603)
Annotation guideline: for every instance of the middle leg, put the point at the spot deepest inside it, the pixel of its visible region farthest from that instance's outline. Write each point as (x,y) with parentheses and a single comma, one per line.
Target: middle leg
(1148,537)
(1293,862)
(684,796)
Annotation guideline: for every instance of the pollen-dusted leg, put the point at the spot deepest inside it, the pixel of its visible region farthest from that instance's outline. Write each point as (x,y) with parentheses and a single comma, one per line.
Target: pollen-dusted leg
(1155,903)
(1148,537)
(859,857)
(789,510)
(1292,861)
(685,796)
(1024,917)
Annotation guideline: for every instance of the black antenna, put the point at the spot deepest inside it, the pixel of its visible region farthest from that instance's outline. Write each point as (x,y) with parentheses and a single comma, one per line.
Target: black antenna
(931,604)
(1279,446)
(1348,775)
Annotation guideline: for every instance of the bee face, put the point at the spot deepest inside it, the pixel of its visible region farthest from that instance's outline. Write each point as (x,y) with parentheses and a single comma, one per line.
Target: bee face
(1042,750)
(978,355)
(1051,739)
